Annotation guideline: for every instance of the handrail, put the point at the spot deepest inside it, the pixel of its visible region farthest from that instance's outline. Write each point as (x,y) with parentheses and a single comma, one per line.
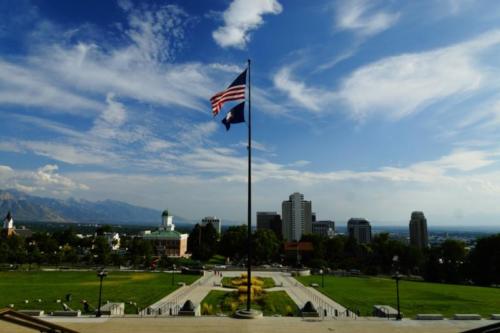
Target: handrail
(27,321)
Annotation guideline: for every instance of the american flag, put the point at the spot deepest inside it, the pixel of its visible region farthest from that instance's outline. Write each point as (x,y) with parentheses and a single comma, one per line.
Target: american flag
(235,91)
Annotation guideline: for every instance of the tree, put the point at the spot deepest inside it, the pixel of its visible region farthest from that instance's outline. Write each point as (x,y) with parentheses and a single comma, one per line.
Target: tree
(318,242)
(101,250)
(484,261)
(202,241)
(233,243)
(334,249)
(445,262)
(265,246)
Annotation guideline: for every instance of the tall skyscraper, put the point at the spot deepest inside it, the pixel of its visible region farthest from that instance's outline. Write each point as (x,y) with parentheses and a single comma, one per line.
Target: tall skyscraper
(216,222)
(271,221)
(296,214)
(418,230)
(360,229)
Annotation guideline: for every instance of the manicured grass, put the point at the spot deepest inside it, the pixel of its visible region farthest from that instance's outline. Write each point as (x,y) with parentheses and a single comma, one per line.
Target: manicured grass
(143,288)
(415,297)
(270,303)
(268,282)
(217,260)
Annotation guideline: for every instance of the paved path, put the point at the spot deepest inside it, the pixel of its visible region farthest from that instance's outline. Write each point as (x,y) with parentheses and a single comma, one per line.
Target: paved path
(195,292)
(262,325)
(300,294)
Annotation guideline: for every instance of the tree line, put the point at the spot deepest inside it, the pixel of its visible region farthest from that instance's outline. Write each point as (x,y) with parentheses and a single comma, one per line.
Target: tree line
(449,261)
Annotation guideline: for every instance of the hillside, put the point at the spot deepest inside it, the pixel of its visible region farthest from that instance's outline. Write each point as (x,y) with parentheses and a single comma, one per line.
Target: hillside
(25,207)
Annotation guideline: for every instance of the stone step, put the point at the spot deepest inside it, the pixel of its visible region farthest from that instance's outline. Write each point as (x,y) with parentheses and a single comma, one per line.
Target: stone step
(466,316)
(430,316)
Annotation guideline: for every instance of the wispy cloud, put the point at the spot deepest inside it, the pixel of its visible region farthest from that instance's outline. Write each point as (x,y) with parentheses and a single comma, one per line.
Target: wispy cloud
(26,86)
(308,97)
(402,85)
(363,17)
(240,18)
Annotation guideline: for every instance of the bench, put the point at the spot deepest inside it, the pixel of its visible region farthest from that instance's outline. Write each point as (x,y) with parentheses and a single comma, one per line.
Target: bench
(33,313)
(430,316)
(384,311)
(495,316)
(466,316)
(66,313)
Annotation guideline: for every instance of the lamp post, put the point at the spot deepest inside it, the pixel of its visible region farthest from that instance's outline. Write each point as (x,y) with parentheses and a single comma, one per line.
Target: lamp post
(322,272)
(173,271)
(101,275)
(397,277)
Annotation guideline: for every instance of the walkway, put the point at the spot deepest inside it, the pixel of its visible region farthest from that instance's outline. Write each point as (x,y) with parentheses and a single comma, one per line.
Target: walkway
(299,293)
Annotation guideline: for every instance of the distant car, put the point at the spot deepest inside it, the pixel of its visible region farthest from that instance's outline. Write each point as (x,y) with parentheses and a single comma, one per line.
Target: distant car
(220,267)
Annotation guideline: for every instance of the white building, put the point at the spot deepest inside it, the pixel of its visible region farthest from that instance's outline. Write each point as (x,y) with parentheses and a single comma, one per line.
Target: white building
(166,240)
(296,217)
(216,222)
(8,225)
(113,239)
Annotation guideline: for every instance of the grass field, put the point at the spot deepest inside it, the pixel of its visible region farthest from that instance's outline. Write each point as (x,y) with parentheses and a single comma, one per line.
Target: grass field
(271,303)
(142,288)
(415,297)
(268,282)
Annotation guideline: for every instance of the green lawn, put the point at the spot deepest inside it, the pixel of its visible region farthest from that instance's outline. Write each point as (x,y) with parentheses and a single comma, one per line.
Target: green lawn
(143,288)
(268,282)
(415,297)
(271,303)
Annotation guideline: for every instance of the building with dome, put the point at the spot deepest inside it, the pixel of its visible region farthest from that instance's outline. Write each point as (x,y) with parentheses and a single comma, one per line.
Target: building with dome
(167,241)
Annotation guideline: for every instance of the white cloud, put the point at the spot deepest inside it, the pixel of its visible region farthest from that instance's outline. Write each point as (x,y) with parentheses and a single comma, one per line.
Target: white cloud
(402,85)
(227,68)
(45,179)
(62,76)
(360,17)
(108,124)
(21,85)
(310,98)
(240,18)
(48,176)
(436,186)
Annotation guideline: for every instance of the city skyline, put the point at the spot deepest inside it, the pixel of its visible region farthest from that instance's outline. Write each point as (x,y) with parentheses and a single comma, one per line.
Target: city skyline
(372,109)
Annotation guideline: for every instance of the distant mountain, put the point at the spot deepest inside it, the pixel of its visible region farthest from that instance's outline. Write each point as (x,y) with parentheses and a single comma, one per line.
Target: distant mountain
(25,207)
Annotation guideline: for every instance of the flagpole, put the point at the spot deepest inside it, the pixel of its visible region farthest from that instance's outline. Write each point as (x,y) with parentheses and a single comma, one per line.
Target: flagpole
(249,217)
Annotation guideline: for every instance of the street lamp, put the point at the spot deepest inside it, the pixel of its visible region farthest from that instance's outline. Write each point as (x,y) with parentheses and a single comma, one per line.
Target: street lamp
(101,275)
(322,278)
(397,277)
(173,271)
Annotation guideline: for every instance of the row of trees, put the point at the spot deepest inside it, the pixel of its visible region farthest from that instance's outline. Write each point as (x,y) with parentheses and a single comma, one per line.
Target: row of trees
(448,262)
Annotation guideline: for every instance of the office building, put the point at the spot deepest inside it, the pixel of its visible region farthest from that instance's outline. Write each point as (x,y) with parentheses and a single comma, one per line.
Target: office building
(360,229)
(271,221)
(324,228)
(419,237)
(216,222)
(296,217)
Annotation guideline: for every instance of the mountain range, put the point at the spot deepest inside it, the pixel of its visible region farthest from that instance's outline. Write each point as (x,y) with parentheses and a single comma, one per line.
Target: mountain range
(25,207)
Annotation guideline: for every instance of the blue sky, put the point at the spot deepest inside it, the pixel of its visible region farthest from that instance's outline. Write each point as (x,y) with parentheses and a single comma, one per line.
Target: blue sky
(370,108)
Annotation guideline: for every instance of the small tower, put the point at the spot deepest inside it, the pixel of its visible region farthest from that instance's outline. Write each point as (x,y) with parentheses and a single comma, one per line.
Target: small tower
(166,221)
(8,225)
